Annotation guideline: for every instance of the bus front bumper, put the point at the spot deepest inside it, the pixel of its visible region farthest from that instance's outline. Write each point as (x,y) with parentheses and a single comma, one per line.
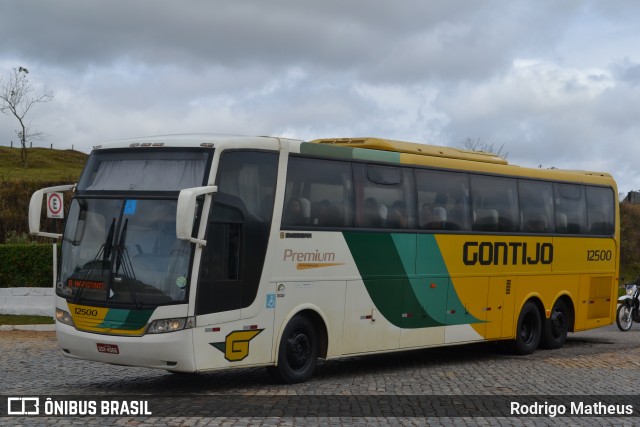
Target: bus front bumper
(172,351)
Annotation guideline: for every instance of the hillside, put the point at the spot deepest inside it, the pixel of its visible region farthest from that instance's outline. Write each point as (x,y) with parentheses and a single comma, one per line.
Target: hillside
(44,164)
(46,168)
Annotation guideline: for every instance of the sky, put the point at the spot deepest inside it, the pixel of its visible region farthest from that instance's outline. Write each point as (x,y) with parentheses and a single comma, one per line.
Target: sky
(554,83)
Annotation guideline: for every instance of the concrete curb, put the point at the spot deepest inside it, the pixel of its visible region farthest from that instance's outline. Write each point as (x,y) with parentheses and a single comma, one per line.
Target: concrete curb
(37,328)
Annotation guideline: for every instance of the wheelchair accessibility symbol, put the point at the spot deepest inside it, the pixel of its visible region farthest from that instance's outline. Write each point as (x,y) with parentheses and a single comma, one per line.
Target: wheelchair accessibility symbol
(271,300)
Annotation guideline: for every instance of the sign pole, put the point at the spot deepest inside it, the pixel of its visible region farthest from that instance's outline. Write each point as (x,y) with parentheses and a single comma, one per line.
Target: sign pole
(55,265)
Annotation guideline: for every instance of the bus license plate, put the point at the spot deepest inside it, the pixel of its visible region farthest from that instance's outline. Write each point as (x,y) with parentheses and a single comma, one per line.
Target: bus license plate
(108,348)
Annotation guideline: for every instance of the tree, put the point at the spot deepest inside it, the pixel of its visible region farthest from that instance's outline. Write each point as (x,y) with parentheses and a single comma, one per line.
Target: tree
(16,99)
(477,145)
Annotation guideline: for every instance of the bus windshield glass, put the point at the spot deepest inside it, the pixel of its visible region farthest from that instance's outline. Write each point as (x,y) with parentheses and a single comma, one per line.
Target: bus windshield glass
(144,170)
(123,251)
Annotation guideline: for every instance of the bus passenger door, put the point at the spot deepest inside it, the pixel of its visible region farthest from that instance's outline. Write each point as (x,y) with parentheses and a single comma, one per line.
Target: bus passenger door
(232,262)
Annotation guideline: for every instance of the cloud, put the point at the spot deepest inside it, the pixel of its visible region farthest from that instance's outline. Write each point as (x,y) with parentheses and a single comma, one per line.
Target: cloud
(521,107)
(379,39)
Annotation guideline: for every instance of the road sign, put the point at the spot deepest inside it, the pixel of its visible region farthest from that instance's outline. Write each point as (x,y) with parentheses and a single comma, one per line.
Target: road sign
(55,205)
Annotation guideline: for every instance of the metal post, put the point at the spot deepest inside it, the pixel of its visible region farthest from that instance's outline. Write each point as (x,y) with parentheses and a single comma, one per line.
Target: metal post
(55,265)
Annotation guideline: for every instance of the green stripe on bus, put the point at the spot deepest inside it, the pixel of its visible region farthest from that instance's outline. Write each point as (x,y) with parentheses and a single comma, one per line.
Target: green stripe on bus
(348,153)
(392,267)
(326,150)
(376,155)
(126,319)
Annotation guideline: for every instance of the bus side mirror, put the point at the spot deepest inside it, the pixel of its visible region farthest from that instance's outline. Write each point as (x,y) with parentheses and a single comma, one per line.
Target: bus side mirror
(35,209)
(186,211)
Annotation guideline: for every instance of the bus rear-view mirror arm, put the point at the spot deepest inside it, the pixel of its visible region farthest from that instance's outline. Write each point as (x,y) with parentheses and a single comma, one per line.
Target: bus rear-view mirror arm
(35,209)
(186,211)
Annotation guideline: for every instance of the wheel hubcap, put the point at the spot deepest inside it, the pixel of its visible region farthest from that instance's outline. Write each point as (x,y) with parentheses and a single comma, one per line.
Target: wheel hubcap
(558,324)
(526,332)
(299,351)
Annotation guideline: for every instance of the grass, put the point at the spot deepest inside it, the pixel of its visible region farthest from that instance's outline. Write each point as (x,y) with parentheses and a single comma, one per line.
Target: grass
(16,319)
(43,164)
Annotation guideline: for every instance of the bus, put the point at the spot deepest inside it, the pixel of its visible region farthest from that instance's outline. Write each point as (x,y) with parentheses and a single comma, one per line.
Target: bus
(194,253)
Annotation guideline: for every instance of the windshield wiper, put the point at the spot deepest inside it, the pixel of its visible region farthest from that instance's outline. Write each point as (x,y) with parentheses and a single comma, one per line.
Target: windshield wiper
(108,245)
(105,252)
(120,247)
(123,260)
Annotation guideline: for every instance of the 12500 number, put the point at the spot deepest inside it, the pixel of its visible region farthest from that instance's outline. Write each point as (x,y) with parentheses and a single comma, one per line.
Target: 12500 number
(86,312)
(599,255)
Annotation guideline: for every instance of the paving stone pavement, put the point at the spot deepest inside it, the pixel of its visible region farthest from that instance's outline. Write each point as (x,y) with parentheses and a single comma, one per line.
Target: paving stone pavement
(602,362)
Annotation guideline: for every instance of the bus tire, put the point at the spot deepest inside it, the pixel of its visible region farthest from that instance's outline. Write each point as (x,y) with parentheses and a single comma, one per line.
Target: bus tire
(297,353)
(556,327)
(528,331)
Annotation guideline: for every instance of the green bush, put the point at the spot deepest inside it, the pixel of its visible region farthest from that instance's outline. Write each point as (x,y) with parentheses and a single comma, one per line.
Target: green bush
(26,265)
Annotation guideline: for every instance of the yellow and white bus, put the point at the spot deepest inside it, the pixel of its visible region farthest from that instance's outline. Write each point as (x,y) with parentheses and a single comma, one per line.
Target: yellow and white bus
(195,253)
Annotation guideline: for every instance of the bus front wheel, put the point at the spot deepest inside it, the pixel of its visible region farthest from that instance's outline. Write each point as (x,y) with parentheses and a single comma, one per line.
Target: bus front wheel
(528,331)
(297,353)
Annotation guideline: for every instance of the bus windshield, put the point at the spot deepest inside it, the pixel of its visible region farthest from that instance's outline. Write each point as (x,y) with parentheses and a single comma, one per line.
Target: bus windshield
(125,252)
(145,170)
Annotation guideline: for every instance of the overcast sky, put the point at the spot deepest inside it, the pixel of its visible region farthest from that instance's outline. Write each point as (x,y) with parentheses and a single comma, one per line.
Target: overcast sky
(556,82)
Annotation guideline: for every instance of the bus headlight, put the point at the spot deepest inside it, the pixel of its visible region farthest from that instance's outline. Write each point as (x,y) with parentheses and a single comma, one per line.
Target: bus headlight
(162,326)
(64,317)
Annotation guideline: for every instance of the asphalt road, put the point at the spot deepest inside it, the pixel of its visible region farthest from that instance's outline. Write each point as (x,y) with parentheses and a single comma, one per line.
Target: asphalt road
(462,385)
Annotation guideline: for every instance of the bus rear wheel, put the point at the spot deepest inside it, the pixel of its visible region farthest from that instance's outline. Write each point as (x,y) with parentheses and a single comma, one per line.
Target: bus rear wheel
(297,353)
(556,327)
(528,331)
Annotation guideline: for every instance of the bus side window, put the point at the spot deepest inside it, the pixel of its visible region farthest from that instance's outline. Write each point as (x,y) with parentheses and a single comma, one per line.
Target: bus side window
(318,193)
(495,203)
(250,176)
(601,210)
(571,209)
(536,206)
(384,197)
(443,200)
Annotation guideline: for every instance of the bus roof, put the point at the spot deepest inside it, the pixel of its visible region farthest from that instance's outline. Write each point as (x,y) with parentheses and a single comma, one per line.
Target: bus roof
(414,148)
(196,140)
(378,149)
(431,155)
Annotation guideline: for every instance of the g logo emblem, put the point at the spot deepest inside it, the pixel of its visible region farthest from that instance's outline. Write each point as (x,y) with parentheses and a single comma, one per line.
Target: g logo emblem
(236,345)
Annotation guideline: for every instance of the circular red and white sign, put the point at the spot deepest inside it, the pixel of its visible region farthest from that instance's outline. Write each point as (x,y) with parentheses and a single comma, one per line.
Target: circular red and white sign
(54,204)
